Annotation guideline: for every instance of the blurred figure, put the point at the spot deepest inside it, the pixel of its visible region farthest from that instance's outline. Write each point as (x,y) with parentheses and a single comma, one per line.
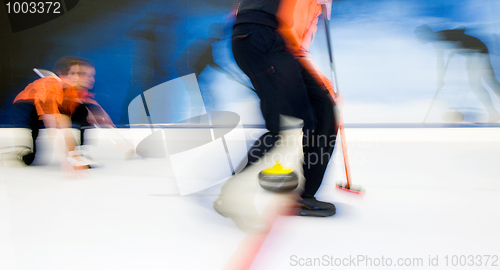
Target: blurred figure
(83,109)
(144,62)
(198,55)
(270,42)
(195,58)
(44,103)
(478,63)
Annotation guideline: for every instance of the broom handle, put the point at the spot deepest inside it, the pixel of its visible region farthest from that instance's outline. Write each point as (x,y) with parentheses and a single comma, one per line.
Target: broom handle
(336,90)
(344,149)
(437,90)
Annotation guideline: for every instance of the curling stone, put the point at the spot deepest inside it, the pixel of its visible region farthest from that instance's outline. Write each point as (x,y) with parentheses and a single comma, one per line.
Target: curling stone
(452,116)
(278,179)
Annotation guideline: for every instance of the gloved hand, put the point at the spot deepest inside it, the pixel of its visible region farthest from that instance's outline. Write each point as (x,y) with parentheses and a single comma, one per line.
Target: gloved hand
(328,4)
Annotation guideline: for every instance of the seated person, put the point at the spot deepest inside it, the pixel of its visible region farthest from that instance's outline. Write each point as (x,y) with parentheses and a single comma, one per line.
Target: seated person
(41,103)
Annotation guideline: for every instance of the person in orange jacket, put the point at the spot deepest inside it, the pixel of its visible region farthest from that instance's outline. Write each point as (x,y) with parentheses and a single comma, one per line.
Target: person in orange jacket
(83,109)
(42,104)
(299,33)
(270,42)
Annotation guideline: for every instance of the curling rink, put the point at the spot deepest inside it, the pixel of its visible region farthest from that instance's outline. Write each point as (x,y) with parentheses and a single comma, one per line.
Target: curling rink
(432,202)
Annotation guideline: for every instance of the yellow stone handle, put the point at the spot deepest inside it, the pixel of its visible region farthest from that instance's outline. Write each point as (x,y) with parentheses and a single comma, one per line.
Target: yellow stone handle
(278,169)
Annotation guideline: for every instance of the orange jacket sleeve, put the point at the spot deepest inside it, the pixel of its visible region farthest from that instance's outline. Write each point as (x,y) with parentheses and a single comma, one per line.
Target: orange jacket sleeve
(45,93)
(298,25)
(50,96)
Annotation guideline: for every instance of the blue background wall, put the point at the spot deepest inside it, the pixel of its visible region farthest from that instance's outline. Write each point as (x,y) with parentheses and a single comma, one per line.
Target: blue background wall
(385,74)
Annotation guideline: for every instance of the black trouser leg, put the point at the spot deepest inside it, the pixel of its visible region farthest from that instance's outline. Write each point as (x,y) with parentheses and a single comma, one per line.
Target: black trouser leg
(79,120)
(35,130)
(25,116)
(276,76)
(319,146)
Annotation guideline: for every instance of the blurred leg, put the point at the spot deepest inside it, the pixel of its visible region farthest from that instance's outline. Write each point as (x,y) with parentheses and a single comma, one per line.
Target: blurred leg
(319,146)
(25,116)
(475,71)
(79,120)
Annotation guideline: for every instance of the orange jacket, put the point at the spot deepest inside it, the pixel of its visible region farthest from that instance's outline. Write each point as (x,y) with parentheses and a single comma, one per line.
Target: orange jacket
(45,93)
(298,25)
(70,101)
(85,96)
(49,97)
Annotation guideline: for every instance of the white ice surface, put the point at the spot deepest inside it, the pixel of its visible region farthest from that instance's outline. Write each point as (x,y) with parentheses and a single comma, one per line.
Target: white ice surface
(430,192)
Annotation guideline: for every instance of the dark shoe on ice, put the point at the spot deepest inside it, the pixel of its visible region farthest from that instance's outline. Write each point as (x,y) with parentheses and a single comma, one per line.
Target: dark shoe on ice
(26,156)
(309,206)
